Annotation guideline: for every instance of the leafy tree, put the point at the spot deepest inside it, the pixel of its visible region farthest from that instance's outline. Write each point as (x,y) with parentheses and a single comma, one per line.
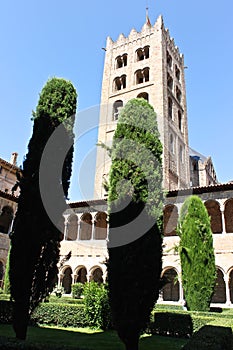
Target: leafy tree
(35,239)
(135,200)
(96,305)
(196,254)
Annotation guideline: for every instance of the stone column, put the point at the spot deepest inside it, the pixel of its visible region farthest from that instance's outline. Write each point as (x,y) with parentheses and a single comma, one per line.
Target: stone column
(223,218)
(66,227)
(181,292)
(79,222)
(93,226)
(228,297)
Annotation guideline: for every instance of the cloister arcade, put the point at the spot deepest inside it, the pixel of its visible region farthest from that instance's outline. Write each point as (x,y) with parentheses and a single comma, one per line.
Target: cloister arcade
(91,226)
(85,234)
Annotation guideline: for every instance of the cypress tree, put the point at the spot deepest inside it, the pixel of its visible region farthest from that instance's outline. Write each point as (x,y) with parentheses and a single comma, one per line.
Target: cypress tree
(35,240)
(196,254)
(135,200)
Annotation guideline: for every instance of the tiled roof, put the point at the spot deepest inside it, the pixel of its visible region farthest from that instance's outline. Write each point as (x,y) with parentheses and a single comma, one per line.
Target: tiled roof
(9,165)
(180,192)
(228,186)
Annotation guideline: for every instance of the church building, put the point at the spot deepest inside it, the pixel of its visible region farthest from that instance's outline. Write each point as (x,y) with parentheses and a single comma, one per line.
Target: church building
(147,64)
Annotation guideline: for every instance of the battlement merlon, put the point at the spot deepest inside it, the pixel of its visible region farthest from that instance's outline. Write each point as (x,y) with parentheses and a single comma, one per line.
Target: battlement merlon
(146,30)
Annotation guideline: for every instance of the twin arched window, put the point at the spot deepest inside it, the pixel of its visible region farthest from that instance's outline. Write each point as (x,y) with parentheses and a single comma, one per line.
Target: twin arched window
(121,61)
(142,53)
(119,83)
(142,75)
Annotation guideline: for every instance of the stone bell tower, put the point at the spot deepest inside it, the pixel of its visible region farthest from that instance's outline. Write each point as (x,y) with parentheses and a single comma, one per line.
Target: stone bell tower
(146,64)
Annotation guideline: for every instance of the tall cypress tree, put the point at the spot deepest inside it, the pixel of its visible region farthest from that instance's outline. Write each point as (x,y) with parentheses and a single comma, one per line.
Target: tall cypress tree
(35,239)
(135,200)
(196,254)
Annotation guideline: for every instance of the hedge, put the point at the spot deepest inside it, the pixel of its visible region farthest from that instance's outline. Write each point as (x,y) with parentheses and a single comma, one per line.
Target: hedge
(65,315)
(210,337)
(184,323)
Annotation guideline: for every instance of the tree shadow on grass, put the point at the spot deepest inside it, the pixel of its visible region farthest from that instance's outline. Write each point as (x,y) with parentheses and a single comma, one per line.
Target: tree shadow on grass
(96,340)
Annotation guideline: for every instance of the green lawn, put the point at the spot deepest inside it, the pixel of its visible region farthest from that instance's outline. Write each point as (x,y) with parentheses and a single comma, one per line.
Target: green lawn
(88,339)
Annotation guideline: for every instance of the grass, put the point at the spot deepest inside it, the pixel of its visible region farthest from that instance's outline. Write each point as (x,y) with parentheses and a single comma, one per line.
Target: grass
(87,338)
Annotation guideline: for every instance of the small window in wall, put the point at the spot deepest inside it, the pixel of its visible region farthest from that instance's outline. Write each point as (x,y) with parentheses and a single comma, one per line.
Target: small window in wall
(143,95)
(117,106)
(119,83)
(180,120)
(169,60)
(170,107)
(177,72)
(143,53)
(178,94)
(121,61)
(169,81)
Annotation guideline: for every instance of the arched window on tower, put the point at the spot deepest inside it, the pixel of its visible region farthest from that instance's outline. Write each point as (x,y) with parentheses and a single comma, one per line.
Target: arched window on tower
(170,114)
(143,53)
(143,95)
(117,106)
(169,60)
(180,120)
(177,72)
(121,61)
(169,81)
(119,83)
(178,94)
(142,76)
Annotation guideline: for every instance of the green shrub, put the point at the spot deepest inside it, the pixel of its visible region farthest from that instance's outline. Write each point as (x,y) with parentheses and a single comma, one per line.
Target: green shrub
(58,291)
(211,337)
(65,300)
(96,305)
(65,315)
(77,290)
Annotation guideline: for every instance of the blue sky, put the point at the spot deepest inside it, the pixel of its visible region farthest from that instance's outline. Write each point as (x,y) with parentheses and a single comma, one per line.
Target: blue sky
(42,39)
